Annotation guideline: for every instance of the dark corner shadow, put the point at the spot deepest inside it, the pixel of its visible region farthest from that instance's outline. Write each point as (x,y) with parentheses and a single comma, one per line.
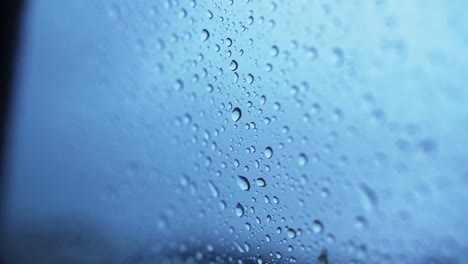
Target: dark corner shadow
(11,14)
(62,240)
(73,241)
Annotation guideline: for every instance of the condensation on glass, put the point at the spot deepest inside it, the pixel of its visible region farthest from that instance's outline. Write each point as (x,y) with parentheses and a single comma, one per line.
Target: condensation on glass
(240,131)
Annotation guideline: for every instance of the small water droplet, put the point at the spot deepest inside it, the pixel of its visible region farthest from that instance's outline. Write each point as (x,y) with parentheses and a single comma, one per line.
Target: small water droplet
(338,56)
(179,85)
(276,106)
(302,160)
(243,183)
(214,190)
(268,152)
(360,223)
(233,66)
(274,51)
(229,42)
(317,227)
(205,35)
(368,197)
(250,78)
(275,200)
(239,210)
(311,53)
(261,182)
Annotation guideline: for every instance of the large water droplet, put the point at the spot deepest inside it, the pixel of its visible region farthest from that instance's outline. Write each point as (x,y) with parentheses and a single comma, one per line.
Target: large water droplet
(243,183)
(236,114)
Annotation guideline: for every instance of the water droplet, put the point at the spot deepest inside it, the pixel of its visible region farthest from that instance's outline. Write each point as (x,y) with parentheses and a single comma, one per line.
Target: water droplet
(239,247)
(360,223)
(276,106)
(311,53)
(274,51)
(250,78)
(214,190)
(229,42)
(182,13)
(209,248)
(222,205)
(268,152)
(179,85)
(243,183)
(368,198)
(205,35)
(275,200)
(302,160)
(261,182)
(317,227)
(291,233)
(236,114)
(338,56)
(233,66)
(250,20)
(428,146)
(239,210)
(184,181)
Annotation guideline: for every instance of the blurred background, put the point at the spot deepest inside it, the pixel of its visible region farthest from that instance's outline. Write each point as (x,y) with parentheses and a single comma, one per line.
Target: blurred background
(236,131)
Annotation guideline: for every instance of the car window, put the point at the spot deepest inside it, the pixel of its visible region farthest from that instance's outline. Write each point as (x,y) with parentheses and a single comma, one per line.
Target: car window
(239,131)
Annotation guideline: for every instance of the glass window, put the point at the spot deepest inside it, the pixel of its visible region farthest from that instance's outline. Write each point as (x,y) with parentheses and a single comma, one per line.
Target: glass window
(240,131)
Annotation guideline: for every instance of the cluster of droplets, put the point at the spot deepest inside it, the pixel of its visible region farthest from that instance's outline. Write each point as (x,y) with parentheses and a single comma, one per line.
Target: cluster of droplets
(265,143)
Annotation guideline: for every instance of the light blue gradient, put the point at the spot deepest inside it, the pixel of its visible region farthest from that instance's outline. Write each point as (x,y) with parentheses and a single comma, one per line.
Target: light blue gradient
(133,120)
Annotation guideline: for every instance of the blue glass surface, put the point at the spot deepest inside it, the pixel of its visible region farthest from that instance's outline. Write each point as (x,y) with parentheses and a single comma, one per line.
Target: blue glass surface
(241,131)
